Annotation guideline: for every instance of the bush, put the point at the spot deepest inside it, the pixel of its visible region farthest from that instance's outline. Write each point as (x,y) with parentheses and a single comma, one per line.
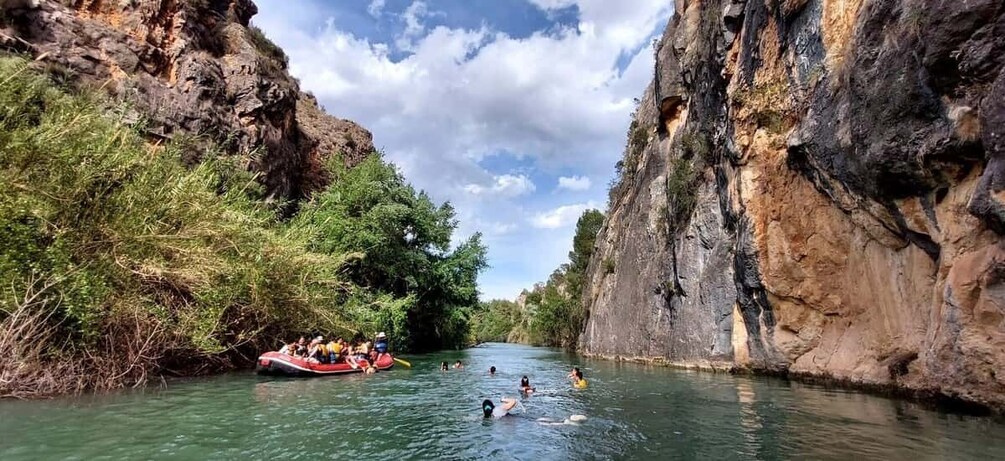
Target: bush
(183,270)
(267,48)
(681,191)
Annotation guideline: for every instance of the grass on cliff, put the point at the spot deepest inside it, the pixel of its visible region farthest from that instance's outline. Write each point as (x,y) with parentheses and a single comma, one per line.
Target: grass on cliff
(118,263)
(273,59)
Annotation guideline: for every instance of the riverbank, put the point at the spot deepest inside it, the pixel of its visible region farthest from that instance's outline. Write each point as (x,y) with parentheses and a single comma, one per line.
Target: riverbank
(932,397)
(126,259)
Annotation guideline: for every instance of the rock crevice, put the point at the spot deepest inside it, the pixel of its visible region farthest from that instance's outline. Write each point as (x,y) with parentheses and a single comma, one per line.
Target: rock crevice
(828,181)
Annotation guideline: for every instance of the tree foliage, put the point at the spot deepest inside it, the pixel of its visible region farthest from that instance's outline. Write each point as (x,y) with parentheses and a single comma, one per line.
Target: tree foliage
(553,312)
(191,260)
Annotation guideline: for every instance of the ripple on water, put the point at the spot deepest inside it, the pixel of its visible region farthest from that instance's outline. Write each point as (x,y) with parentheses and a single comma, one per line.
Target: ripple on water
(421,413)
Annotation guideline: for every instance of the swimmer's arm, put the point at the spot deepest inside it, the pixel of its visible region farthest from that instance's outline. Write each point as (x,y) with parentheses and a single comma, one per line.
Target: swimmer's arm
(508,404)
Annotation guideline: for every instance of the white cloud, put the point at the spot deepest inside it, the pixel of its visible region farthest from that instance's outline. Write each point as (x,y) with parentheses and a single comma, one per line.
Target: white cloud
(376,7)
(562,216)
(574,183)
(414,27)
(466,108)
(506,185)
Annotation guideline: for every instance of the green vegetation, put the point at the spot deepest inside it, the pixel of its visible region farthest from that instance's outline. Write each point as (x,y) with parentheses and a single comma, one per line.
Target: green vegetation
(403,240)
(624,169)
(495,320)
(681,190)
(271,58)
(766,103)
(267,48)
(554,313)
(116,261)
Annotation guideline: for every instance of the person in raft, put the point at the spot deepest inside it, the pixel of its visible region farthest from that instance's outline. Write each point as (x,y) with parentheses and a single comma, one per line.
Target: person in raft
(316,351)
(288,349)
(301,350)
(525,385)
(491,411)
(443,366)
(380,343)
(458,364)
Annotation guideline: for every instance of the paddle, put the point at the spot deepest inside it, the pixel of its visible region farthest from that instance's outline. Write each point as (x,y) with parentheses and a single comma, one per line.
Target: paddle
(409,365)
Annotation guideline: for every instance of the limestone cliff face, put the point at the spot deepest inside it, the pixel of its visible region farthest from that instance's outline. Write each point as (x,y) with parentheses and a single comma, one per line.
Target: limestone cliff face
(191,69)
(815,187)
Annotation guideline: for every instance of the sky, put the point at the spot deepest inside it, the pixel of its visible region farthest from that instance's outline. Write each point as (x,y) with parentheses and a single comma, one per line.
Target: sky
(514,111)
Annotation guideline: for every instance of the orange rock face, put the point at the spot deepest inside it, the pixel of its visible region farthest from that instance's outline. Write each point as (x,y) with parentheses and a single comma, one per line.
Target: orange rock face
(843,198)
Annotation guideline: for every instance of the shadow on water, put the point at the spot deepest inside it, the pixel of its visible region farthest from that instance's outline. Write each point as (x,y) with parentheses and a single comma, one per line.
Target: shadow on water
(633,412)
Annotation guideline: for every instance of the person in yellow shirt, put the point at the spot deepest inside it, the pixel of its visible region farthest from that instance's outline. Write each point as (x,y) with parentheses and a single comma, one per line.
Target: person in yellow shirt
(334,349)
(577,378)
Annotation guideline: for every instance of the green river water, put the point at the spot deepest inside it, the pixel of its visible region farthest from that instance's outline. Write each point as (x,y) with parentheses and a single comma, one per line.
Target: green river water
(633,412)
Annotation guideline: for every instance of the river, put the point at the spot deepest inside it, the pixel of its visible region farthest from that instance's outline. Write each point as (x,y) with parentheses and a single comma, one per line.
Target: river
(632,411)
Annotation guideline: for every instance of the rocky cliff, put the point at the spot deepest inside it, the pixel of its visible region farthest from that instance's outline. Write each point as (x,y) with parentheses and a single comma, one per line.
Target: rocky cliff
(815,187)
(192,71)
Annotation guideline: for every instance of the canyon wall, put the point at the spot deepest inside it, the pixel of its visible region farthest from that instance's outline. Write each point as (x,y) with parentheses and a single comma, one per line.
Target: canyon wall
(194,72)
(814,188)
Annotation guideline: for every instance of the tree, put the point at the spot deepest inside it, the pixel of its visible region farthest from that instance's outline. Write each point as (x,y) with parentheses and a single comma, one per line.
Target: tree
(556,309)
(403,242)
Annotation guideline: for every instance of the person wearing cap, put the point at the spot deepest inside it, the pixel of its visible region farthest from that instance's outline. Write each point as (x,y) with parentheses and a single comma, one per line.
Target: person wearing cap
(491,411)
(381,343)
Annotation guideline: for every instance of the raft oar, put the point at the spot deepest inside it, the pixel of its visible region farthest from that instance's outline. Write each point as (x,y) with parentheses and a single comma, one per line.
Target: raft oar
(409,365)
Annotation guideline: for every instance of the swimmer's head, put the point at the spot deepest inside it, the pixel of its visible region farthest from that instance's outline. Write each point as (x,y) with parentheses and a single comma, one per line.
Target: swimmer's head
(487,407)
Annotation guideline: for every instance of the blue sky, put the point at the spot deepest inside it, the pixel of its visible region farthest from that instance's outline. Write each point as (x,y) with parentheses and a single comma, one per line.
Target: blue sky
(515,111)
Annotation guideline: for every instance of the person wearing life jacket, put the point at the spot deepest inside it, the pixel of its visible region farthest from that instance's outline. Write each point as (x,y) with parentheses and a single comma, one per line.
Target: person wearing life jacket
(380,343)
(323,355)
(335,351)
(578,381)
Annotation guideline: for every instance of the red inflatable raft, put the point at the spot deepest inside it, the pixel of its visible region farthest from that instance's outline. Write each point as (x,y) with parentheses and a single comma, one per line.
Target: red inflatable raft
(274,363)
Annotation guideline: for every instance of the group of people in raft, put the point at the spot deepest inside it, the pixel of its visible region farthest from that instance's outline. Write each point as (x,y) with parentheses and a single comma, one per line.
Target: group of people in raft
(339,351)
(490,410)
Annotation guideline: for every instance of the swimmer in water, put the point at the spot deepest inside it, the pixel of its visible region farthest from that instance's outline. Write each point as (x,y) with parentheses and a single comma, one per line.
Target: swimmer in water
(443,366)
(525,385)
(491,411)
(577,380)
(492,371)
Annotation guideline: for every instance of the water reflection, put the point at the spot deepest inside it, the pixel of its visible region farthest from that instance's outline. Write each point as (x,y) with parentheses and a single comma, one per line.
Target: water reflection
(634,412)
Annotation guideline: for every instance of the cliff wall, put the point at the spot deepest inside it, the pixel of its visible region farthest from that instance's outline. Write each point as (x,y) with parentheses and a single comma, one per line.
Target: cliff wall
(814,187)
(191,69)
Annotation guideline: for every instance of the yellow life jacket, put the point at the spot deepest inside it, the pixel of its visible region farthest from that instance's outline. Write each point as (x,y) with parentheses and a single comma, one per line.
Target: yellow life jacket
(333,348)
(581,384)
(323,349)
